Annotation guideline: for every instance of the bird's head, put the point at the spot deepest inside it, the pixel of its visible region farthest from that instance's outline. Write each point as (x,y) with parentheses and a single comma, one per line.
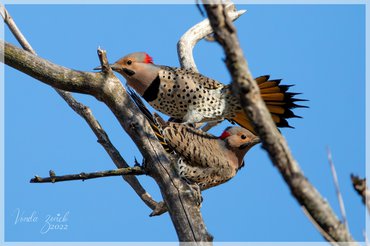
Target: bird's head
(239,137)
(138,69)
(239,140)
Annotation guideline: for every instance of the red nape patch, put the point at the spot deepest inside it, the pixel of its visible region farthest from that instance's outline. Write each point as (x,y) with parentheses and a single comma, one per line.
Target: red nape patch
(224,135)
(148,59)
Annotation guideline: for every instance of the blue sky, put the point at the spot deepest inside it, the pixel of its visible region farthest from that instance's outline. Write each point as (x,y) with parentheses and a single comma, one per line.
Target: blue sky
(319,48)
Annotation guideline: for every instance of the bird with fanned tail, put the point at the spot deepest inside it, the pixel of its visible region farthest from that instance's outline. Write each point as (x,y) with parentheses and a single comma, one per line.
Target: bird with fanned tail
(191,97)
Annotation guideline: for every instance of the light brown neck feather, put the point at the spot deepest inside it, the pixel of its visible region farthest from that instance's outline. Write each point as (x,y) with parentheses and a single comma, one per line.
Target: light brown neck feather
(144,75)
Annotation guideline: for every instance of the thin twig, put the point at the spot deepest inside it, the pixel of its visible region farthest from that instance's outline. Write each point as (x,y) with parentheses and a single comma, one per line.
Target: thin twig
(86,113)
(337,188)
(136,170)
(199,7)
(15,30)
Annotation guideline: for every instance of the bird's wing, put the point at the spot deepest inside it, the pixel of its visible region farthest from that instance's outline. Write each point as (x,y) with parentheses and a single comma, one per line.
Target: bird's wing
(207,82)
(198,148)
(156,122)
(190,76)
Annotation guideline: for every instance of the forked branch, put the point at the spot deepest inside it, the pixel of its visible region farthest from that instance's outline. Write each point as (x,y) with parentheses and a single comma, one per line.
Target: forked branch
(86,113)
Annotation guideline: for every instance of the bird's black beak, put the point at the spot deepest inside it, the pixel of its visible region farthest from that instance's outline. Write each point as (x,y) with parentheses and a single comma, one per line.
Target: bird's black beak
(118,68)
(113,66)
(250,144)
(256,140)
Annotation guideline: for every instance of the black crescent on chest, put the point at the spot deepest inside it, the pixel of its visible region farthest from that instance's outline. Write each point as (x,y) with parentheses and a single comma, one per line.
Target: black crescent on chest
(151,93)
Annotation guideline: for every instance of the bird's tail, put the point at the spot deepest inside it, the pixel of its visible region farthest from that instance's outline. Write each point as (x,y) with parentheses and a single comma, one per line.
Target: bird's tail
(278,100)
(156,122)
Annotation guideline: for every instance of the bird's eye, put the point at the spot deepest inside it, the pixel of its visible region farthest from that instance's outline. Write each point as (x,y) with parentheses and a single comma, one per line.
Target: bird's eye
(129,62)
(243,136)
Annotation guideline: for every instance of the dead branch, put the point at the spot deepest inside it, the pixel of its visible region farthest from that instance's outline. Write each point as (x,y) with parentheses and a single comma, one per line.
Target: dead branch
(77,85)
(337,189)
(137,170)
(106,87)
(196,33)
(15,30)
(86,113)
(359,185)
(245,87)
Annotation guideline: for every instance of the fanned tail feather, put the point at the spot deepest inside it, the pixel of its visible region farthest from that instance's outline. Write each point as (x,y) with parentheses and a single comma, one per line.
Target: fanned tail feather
(156,122)
(278,100)
(242,120)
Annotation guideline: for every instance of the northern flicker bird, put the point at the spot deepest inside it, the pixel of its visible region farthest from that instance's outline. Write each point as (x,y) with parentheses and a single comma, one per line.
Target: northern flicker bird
(190,97)
(204,159)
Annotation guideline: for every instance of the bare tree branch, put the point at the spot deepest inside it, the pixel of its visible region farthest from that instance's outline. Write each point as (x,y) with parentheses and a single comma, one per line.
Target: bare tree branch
(15,30)
(106,87)
(191,37)
(160,209)
(136,170)
(359,185)
(337,189)
(86,113)
(112,151)
(244,85)
(55,75)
